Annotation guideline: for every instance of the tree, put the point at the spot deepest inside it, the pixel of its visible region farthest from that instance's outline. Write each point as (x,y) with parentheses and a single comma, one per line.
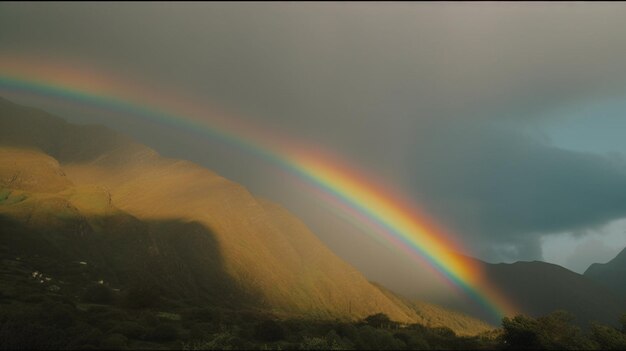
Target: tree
(269,330)
(520,333)
(370,338)
(554,331)
(558,333)
(608,338)
(378,320)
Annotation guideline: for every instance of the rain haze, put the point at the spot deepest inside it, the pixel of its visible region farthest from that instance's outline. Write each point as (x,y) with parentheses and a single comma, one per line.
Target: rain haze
(504,122)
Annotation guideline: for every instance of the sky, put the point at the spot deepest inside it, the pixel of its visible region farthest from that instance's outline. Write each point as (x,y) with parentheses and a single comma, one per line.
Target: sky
(501,120)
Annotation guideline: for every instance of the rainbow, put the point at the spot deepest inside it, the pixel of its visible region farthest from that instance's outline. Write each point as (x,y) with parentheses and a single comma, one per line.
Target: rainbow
(388,216)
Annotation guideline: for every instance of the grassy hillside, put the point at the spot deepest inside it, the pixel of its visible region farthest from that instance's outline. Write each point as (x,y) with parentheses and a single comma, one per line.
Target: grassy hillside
(434,316)
(86,200)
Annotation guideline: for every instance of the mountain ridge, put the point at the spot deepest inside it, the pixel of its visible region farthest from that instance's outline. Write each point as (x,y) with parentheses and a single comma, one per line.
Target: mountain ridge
(100,183)
(610,274)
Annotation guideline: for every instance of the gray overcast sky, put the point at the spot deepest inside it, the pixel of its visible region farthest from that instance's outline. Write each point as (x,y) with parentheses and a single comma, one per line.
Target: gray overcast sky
(502,120)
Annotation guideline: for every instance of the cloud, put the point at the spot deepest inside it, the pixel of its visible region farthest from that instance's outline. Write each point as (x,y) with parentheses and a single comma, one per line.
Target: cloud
(437,98)
(587,253)
(504,188)
(577,251)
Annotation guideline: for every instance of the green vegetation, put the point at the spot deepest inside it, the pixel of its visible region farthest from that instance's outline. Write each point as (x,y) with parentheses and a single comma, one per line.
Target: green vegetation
(60,326)
(70,298)
(34,317)
(100,294)
(87,314)
(557,332)
(10,197)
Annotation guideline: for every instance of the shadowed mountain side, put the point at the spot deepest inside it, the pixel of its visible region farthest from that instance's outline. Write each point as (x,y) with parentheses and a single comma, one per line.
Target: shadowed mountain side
(540,288)
(611,274)
(178,260)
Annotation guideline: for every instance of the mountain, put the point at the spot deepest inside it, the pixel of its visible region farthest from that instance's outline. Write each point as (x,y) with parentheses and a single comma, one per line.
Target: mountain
(539,288)
(535,288)
(611,274)
(84,204)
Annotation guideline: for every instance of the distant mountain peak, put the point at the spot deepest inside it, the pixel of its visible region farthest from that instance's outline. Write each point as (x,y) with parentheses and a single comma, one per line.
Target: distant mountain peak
(611,274)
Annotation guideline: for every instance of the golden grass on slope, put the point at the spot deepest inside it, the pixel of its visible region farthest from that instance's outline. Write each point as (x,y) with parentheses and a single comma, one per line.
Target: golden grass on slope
(334,283)
(30,170)
(266,249)
(436,316)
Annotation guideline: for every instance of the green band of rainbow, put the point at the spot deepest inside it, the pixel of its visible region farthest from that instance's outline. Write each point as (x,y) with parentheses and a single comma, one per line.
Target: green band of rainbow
(390,218)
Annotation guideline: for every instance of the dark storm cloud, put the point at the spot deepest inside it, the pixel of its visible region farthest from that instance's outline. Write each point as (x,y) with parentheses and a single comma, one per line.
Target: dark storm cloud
(437,97)
(505,189)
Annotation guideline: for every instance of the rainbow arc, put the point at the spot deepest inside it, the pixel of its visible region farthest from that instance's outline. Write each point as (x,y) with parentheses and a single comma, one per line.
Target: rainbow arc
(392,219)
